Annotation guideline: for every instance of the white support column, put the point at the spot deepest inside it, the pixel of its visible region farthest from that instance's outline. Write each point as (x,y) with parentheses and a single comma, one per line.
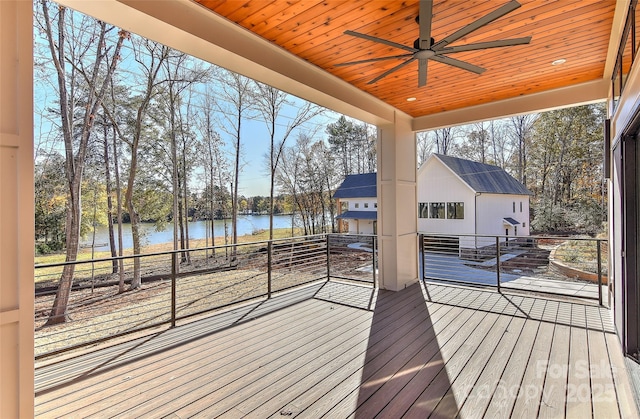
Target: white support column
(16,209)
(397,204)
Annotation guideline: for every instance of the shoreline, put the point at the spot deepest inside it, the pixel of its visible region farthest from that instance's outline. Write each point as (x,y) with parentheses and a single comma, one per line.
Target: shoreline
(84,253)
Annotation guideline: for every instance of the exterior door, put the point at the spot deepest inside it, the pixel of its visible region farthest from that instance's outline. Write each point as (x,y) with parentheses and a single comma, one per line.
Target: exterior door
(626,290)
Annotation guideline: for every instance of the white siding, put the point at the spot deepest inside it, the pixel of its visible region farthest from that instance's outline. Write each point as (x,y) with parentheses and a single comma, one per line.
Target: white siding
(436,183)
(358,204)
(493,208)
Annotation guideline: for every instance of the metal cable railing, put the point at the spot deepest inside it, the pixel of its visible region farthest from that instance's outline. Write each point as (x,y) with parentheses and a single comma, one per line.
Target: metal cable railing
(181,284)
(564,266)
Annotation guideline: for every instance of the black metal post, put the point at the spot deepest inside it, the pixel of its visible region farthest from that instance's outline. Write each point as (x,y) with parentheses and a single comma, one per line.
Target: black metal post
(498,262)
(421,267)
(328,259)
(375,260)
(599,272)
(269,266)
(174,264)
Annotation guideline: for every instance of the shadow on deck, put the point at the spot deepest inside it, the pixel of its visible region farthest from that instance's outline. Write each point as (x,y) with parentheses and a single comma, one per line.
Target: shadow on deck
(344,350)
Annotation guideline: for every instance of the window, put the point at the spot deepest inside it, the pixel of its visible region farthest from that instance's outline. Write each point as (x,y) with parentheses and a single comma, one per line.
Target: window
(524,225)
(520,206)
(366,205)
(423,210)
(375,205)
(436,210)
(514,207)
(455,210)
(356,205)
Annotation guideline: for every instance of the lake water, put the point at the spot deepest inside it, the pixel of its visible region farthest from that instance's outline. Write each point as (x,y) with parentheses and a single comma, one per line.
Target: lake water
(247,224)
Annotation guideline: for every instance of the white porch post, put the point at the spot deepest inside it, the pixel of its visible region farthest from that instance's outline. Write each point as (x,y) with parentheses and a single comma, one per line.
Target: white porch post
(397,204)
(16,209)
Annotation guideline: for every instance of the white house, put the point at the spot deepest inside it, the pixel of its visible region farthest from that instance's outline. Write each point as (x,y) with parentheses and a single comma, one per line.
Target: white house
(358,203)
(458,197)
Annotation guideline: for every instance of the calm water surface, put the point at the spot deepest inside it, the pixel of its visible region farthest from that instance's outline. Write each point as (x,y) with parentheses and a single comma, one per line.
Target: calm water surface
(247,224)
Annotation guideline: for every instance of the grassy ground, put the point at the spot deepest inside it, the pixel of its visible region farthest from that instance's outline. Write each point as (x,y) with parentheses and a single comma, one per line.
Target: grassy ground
(583,254)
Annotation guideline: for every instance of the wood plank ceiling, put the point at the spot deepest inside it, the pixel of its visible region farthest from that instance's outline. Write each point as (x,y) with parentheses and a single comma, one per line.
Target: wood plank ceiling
(577,31)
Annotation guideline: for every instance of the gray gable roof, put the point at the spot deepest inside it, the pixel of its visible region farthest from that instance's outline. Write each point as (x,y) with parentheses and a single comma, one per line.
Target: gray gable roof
(358,186)
(482,177)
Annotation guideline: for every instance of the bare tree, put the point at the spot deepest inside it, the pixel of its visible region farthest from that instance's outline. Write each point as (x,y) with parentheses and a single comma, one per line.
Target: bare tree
(212,158)
(235,105)
(83,74)
(521,128)
(179,76)
(441,141)
(271,102)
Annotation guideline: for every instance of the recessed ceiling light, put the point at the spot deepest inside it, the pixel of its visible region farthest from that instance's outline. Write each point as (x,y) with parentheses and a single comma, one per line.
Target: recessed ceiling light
(558,62)
(411,99)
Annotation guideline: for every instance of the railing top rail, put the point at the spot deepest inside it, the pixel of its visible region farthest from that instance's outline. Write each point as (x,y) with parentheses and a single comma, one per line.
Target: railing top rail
(537,237)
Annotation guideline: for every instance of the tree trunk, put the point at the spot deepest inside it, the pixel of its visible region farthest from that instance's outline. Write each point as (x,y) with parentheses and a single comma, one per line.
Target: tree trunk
(107,171)
(75,138)
(116,171)
(133,214)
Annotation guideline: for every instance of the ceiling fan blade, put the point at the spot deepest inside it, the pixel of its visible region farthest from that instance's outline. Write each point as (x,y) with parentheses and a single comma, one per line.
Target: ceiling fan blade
(422,73)
(457,63)
(425,16)
(379,40)
(373,60)
(484,45)
(386,73)
(496,14)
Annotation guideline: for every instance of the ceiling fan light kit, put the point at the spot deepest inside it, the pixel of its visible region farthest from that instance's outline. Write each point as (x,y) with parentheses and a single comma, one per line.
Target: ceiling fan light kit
(425,48)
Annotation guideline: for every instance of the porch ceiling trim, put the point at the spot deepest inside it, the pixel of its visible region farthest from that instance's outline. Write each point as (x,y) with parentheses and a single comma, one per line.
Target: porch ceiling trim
(579,94)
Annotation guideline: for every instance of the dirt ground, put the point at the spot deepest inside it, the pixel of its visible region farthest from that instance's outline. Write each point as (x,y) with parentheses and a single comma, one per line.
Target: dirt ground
(97,311)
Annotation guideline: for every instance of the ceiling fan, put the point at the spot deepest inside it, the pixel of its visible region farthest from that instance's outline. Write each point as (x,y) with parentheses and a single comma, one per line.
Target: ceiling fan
(425,48)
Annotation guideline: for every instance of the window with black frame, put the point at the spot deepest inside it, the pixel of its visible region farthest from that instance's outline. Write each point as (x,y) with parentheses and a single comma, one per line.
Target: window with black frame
(423,210)
(455,210)
(436,210)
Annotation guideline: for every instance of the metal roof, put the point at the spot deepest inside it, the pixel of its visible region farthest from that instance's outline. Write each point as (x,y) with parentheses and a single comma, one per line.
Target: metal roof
(358,186)
(482,177)
(359,215)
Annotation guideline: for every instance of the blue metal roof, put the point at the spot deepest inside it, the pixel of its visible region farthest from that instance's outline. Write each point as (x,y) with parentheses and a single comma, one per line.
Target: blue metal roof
(359,215)
(358,186)
(484,177)
(511,221)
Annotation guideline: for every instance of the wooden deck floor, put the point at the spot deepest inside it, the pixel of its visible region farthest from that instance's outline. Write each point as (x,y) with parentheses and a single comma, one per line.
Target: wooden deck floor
(337,350)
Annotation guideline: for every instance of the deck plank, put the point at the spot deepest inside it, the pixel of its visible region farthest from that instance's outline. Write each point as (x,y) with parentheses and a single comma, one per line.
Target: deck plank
(578,404)
(603,392)
(474,384)
(345,350)
(244,374)
(464,373)
(489,376)
(319,400)
(246,330)
(506,392)
(555,384)
(189,363)
(624,393)
(275,388)
(398,396)
(530,390)
(371,380)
